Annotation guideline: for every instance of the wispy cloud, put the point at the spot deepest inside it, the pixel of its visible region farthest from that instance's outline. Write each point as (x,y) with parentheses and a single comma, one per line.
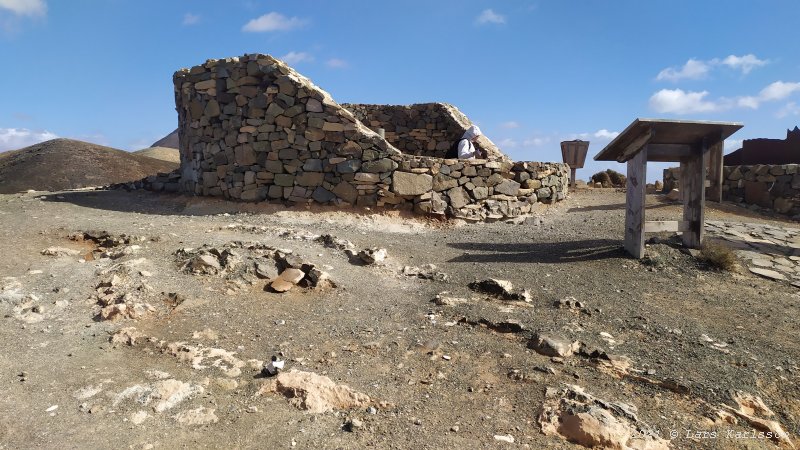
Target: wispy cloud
(25,7)
(778,90)
(293,58)
(508,143)
(789,109)
(273,22)
(695,69)
(488,16)
(191,19)
(336,63)
(732,144)
(14,138)
(509,125)
(744,63)
(605,134)
(536,141)
(678,101)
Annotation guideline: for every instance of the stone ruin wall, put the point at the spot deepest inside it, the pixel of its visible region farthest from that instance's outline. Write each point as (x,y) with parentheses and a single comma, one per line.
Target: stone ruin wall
(427,129)
(774,187)
(253,129)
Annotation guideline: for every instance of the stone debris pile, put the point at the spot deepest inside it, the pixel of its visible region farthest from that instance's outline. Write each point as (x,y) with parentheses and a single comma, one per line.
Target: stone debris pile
(246,263)
(577,416)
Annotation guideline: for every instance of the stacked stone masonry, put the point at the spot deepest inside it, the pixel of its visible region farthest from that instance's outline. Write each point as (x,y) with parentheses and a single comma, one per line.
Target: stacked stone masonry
(428,129)
(774,187)
(253,129)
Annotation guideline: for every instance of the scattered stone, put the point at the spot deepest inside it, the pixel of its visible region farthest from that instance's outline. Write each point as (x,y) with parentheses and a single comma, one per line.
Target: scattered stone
(766,273)
(353,424)
(445,299)
(333,242)
(197,416)
(316,393)
(127,336)
(60,251)
(581,418)
(550,345)
(501,289)
(504,438)
(749,408)
(373,255)
(426,272)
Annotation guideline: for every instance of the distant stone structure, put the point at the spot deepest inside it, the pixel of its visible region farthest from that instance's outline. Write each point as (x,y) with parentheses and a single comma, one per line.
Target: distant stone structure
(767,151)
(253,129)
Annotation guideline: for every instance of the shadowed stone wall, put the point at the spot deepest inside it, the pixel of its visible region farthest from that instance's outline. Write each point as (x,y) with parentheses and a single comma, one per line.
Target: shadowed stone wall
(774,187)
(426,129)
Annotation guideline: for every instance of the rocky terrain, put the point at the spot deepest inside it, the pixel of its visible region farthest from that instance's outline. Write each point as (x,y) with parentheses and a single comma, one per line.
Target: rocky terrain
(62,164)
(144,320)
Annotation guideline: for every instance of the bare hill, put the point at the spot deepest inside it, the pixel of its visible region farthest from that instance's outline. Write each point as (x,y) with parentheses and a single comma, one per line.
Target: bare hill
(170,140)
(68,164)
(163,153)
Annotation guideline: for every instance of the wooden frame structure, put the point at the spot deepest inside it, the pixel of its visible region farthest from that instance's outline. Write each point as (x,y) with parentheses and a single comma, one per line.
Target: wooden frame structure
(697,145)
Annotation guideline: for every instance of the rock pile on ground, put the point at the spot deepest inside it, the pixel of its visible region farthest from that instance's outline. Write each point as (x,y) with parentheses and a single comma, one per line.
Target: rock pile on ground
(579,417)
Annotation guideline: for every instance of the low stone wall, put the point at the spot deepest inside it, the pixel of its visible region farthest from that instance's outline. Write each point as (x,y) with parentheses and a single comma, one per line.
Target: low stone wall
(253,129)
(774,187)
(426,129)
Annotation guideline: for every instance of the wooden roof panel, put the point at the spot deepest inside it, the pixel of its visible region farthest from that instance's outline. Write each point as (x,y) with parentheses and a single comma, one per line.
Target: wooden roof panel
(664,131)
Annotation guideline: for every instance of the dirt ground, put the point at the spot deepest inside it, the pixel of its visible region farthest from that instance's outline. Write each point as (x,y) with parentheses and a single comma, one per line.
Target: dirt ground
(456,375)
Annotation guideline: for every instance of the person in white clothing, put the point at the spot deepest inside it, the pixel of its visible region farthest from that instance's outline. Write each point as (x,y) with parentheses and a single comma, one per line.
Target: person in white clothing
(466,146)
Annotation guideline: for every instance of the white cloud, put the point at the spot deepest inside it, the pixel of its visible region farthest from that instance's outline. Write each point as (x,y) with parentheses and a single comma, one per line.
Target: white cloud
(509,125)
(536,142)
(15,138)
(508,143)
(696,69)
(336,63)
(273,22)
(693,70)
(677,101)
(744,63)
(191,19)
(489,16)
(25,7)
(790,109)
(293,58)
(605,134)
(732,144)
(778,90)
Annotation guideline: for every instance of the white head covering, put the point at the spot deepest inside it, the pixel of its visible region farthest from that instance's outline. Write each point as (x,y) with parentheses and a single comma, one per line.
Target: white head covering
(472,132)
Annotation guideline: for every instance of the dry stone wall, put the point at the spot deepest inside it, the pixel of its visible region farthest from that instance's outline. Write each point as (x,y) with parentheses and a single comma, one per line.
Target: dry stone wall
(426,129)
(253,129)
(774,187)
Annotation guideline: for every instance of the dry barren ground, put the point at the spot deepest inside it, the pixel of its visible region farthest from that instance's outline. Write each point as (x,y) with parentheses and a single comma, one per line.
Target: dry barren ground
(667,352)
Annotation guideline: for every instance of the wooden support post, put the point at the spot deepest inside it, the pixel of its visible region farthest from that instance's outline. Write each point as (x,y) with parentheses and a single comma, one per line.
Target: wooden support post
(693,175)
(572,177)
(635,201)
(715,162)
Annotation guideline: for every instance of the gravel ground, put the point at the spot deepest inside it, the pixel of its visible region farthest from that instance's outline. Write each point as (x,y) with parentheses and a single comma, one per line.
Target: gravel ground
(440,376)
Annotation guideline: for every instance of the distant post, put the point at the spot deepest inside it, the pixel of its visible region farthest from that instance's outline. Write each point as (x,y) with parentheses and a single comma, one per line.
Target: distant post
(574,154)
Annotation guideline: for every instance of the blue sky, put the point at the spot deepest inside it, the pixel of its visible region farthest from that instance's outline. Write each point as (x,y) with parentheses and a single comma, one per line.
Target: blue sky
(531,73)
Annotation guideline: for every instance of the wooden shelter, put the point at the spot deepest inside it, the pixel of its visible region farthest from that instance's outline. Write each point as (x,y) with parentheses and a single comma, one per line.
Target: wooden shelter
(697,145)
